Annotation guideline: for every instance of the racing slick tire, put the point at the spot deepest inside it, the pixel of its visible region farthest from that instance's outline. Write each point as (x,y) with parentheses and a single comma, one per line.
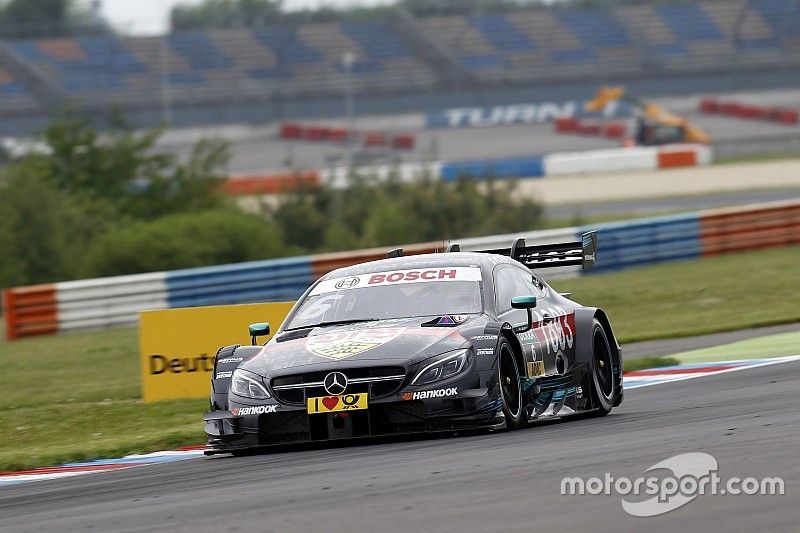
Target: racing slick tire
(603,382)
(508,380)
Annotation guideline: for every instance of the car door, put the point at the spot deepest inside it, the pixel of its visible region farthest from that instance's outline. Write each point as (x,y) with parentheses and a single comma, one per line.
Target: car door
(511,281)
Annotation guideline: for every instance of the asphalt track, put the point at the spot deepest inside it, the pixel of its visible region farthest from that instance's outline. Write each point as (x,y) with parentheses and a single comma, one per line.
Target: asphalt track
(748,420)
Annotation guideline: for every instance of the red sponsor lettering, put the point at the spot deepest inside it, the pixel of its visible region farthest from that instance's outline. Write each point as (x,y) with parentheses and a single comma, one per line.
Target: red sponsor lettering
(429,274)
(397,276)
(376,278)
(447,274)
(411,276)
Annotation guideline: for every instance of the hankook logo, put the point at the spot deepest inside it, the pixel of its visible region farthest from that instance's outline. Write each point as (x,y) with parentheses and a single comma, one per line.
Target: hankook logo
(347,283)
(335,383)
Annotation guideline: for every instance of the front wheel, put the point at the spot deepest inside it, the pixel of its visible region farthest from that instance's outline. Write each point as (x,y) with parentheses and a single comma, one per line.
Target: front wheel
(510,390)
(604,386)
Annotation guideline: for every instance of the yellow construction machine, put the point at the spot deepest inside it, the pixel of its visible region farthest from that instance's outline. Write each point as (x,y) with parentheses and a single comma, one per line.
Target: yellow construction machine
(654,124)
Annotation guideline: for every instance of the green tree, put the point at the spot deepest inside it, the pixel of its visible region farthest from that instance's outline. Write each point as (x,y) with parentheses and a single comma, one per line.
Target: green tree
(181,241)
(225,14)
(370,213)
(36,19)
(32,231)
(123,166)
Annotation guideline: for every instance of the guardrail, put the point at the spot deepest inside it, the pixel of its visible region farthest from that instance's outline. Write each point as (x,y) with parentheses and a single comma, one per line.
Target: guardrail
(585,162)
(113,301)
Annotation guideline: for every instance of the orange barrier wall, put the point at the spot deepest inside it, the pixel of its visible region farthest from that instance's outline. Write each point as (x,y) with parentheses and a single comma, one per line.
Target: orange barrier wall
(271,183)
(30,311)
(677,158)
(735,230)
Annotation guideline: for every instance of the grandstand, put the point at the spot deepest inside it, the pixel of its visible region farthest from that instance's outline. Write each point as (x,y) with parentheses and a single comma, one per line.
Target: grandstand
(398,56)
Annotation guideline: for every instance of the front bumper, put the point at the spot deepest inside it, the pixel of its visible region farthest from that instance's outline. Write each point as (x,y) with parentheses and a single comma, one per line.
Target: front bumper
(276,424)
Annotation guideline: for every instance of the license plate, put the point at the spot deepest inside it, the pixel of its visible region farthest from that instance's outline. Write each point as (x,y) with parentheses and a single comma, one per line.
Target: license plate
(333,404)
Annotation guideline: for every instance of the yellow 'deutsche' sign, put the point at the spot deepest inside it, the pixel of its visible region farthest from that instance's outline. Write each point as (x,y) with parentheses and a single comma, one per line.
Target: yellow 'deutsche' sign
(177,346)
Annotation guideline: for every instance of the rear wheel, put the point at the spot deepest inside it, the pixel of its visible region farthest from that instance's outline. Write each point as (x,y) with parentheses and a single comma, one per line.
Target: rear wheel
(510,391)
(604,386)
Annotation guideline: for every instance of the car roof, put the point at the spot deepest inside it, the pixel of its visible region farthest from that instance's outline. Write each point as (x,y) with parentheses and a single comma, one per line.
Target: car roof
(450,259)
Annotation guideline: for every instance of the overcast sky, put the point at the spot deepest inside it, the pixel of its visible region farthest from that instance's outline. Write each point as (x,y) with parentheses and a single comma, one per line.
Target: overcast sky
(147,17)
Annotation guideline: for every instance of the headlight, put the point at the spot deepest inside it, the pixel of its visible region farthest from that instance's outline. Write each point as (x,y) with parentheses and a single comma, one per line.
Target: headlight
(249,385)
(446,367)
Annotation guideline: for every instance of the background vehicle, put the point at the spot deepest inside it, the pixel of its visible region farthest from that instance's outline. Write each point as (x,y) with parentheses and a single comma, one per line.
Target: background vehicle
(654,125)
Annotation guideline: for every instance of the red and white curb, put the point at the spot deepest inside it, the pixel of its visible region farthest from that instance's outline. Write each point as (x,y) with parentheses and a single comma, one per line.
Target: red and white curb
(667,374)
(100,465)
(632,380)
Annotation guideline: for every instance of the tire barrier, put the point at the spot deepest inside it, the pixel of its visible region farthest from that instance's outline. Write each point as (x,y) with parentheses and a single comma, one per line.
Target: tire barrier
(781,115)
(610,130)
(115,301)
(294,131)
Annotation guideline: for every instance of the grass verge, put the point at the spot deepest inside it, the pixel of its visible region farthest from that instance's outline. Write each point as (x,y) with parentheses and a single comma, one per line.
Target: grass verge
(642,363)
(77,396)
(759,348)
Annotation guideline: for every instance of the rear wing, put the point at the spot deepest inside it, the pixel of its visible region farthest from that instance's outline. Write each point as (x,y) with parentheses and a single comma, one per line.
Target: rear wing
(580,253)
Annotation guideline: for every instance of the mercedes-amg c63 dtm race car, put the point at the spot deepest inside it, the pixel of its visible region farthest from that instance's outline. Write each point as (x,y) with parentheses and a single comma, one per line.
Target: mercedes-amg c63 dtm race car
(438,342)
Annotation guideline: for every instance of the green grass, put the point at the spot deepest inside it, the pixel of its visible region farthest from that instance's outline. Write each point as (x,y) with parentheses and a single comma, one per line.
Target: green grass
(721,293)
(77,396)
(778,345)
(642,363)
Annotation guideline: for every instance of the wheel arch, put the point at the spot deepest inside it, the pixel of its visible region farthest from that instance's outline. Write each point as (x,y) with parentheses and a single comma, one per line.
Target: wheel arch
(584,319)
(220,386)
(516,350)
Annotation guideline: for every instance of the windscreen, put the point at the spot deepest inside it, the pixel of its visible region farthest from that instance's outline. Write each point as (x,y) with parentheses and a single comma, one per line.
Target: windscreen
(393,294)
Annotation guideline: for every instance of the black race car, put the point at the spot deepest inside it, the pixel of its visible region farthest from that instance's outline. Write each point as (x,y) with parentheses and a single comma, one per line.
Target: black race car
(425,343)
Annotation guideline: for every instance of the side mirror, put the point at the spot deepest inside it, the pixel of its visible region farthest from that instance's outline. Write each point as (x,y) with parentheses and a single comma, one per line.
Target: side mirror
(259,329)
(523,302)
(527,303)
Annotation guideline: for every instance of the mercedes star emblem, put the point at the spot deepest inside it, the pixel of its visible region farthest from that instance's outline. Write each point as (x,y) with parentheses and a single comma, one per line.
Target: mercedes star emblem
(335,383)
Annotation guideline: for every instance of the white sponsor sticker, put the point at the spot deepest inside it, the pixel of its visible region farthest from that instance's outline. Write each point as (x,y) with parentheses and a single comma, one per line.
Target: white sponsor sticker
(438,393)
(221,375)
(397,277)
(258,410)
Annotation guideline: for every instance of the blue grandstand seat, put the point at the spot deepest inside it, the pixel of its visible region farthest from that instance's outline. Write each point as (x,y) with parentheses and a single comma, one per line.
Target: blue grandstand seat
(185,78)
(665,50)
(287,46)
(572,55)
(502,33)
(95,63)
(361,66)
(783,16)
(12,87)
(755,43)
(269,73)
(29,50)
(198,50)
(688,22)
(376,39)
(594,27)
(108,53)
(484,61)
(85,80)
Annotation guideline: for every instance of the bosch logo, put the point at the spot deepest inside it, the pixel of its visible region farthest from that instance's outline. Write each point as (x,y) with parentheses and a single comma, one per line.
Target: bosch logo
(335,383)
(347,283)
